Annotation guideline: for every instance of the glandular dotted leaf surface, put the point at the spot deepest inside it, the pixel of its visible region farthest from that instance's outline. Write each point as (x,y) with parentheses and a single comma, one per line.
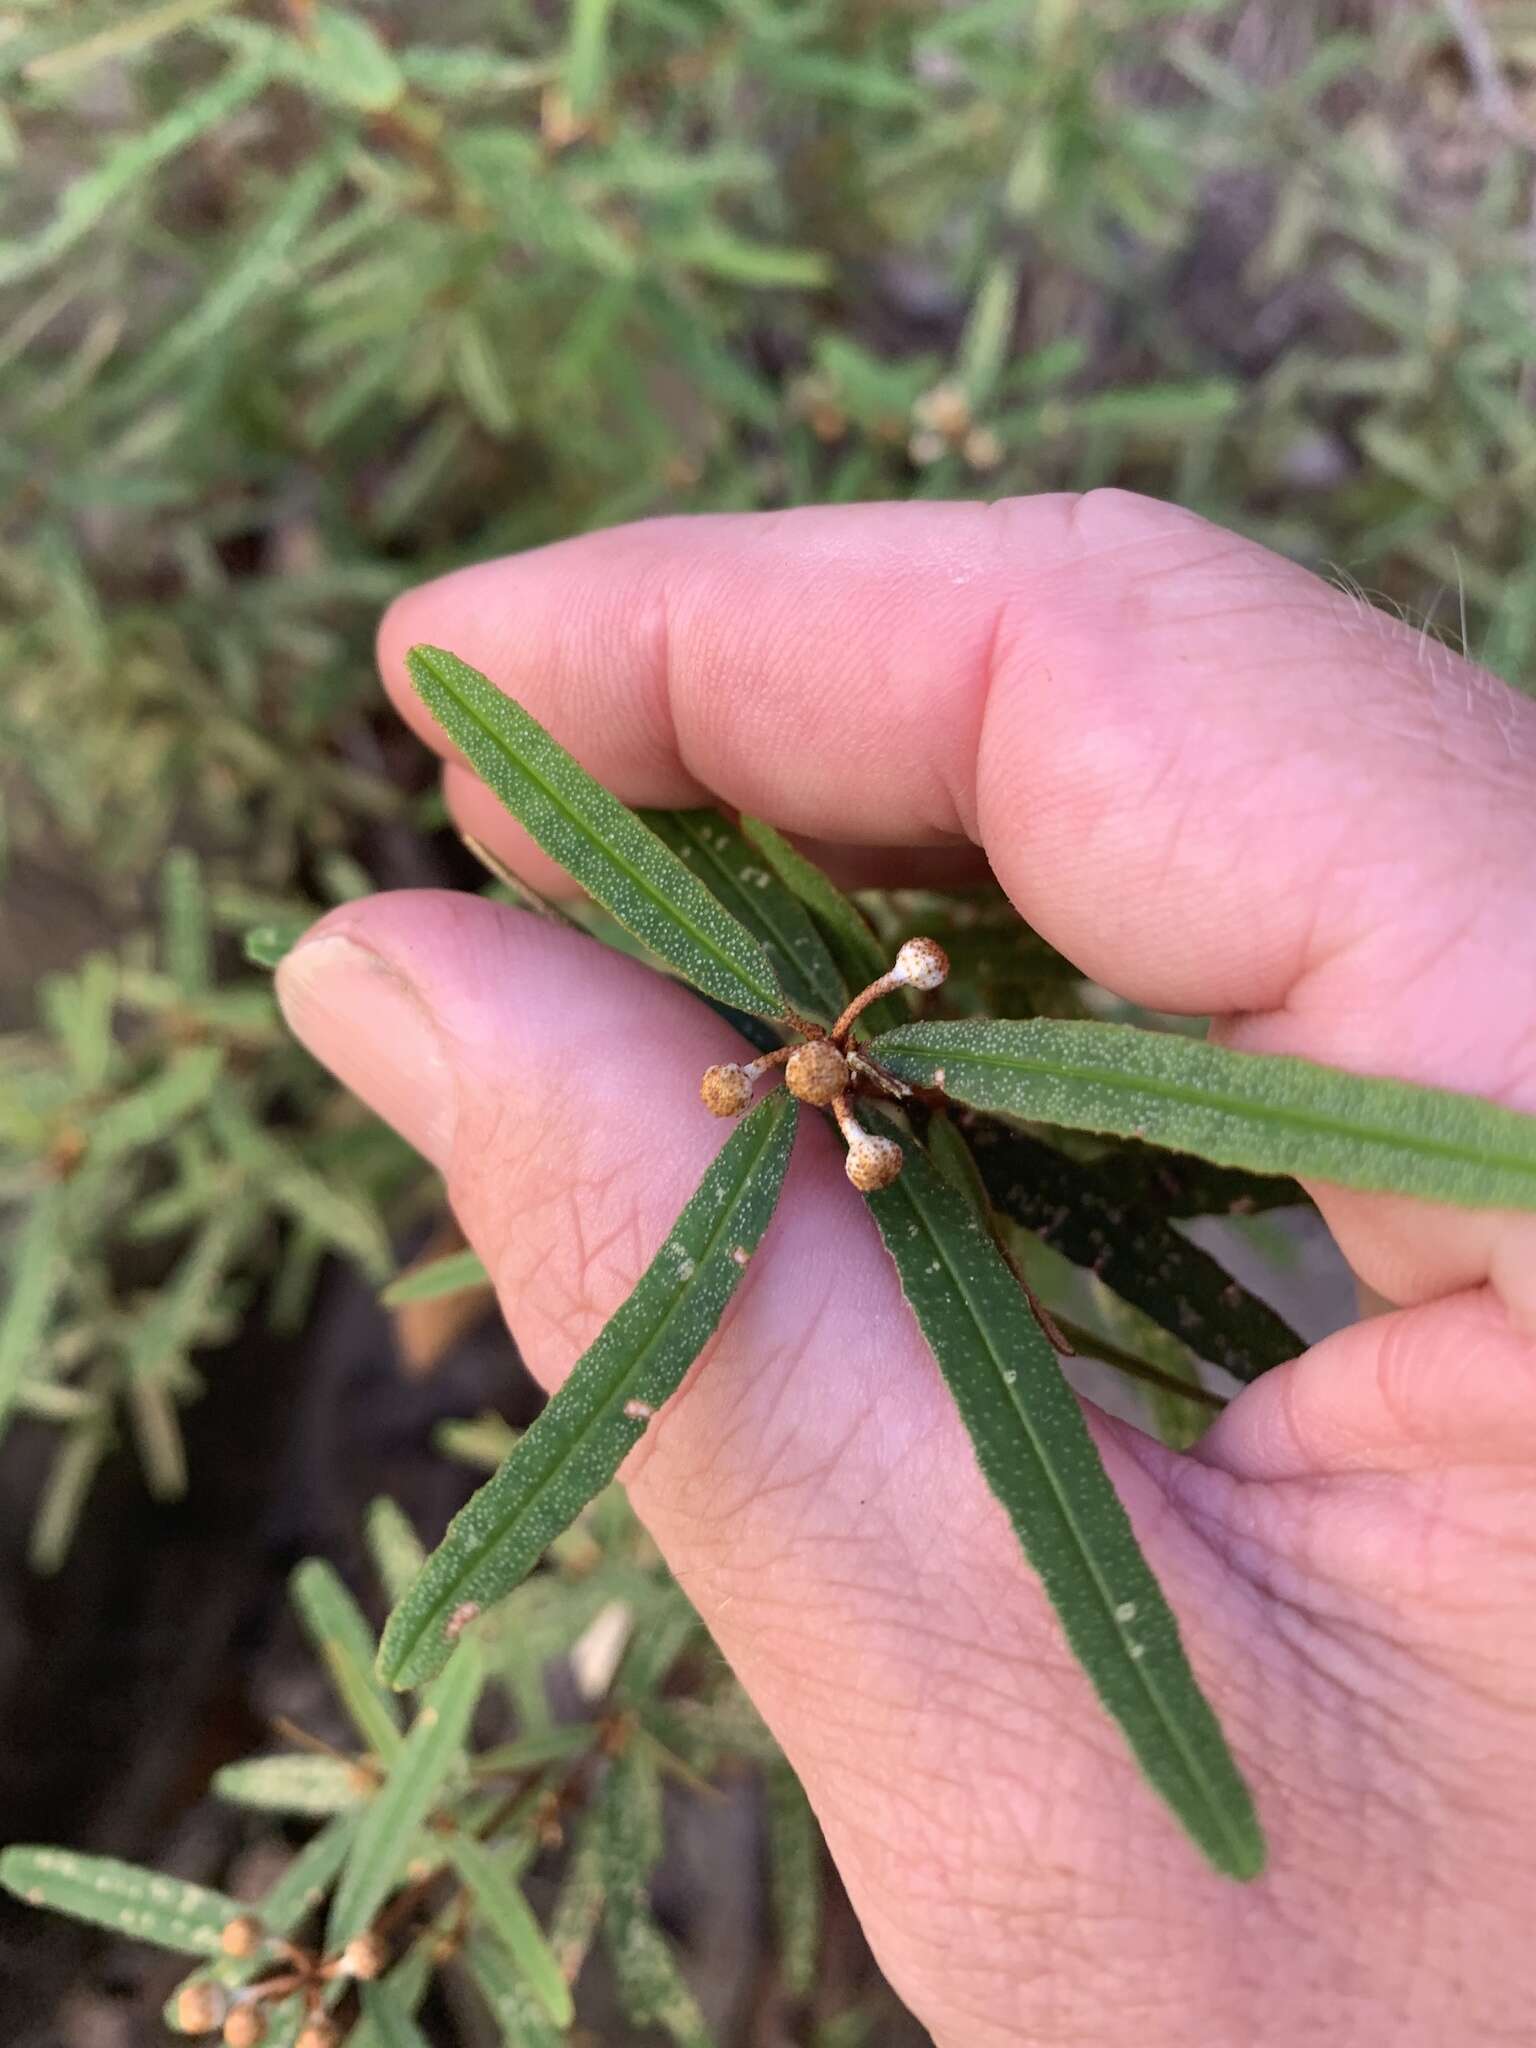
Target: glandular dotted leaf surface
(616,858)
(1036,1453)
(1262,1112)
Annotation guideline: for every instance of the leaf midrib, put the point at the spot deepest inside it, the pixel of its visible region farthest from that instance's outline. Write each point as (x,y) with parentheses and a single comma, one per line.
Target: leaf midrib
(1205,1098)
(1192,1764)
(635,1362)
(647,888)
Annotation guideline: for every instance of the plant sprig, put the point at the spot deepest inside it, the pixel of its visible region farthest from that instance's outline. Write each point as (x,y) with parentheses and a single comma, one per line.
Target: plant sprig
(1264,1116)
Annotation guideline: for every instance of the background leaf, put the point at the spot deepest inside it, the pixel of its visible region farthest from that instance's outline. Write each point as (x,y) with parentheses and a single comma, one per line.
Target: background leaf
(1038,1457)
(1086,1211)
(594,837)
(337,1627)
(143,1904)
(507,1915)
(385,1838)
(1257,1111)
(454,1273)
(291,1784)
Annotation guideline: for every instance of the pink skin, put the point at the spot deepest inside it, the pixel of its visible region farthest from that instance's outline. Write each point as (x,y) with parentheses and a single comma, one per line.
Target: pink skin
(1218,785)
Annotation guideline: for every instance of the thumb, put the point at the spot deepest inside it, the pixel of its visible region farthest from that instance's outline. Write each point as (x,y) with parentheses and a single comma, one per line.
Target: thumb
(811,1485)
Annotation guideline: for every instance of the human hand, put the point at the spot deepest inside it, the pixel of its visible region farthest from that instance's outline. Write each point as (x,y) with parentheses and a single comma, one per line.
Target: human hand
(1217,785)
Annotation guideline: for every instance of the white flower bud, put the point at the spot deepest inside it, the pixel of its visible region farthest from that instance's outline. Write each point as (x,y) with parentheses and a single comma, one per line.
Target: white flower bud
(921,963)
(872,1163)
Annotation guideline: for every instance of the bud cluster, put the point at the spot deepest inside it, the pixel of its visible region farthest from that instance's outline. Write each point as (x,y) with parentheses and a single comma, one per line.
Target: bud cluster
(819,1070)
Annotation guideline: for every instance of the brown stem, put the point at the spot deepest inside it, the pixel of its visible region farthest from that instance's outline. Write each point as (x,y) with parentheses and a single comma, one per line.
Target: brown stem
(861,1002)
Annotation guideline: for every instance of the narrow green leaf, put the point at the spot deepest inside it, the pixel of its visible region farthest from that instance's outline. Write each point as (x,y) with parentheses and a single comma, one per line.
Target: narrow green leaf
(454,1273)
(70,1479)
(265,945)
(579,1902)
(154,1110)
(586,53)
(339,1631)
(186,942)
(36,1274)
(563,1742)
(842,924)
(599,1415)
(597,839)
(651,1986)
(290,1784)
(1038,1457)
(385,1839)
(405,1987)
(795,1880)
(397,1552)
(522,2019)
(1088,1213)
(132,1901)
(1266,1114)
(507,1914)
(390,2018)
(738,876)
(340,57)
(295,1895)
(125,168)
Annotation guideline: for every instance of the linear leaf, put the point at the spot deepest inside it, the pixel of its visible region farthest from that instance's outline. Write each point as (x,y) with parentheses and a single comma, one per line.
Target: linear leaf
(405,1986)
(141,1903)
(392,2022)
(1085,1211)
(597,839)
(264,945)
(522,2019)
(507,1914)
(339,1631)
(397,1552)
(290,1784)
(296,1893)
(1038,1457)
(153,1111)
(651,1986)
(794,1862)
(599,1415)
(735,873)
(579,1903)
(1267,1114)
(186,942)
(385,1839)
(37,1272)
(454,1273)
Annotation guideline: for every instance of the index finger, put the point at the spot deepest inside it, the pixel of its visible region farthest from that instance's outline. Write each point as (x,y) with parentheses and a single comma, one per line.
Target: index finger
(1197,769)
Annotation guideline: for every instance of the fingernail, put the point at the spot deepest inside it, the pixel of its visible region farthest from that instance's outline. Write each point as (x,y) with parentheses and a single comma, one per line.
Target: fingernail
(375,1030)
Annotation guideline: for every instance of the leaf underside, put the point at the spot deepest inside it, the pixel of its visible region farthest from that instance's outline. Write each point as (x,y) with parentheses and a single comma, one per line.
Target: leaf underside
(428,1756)
(597,839)
(1040,1460)
(1093,1215)
(1262,1112)
(579,1441)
